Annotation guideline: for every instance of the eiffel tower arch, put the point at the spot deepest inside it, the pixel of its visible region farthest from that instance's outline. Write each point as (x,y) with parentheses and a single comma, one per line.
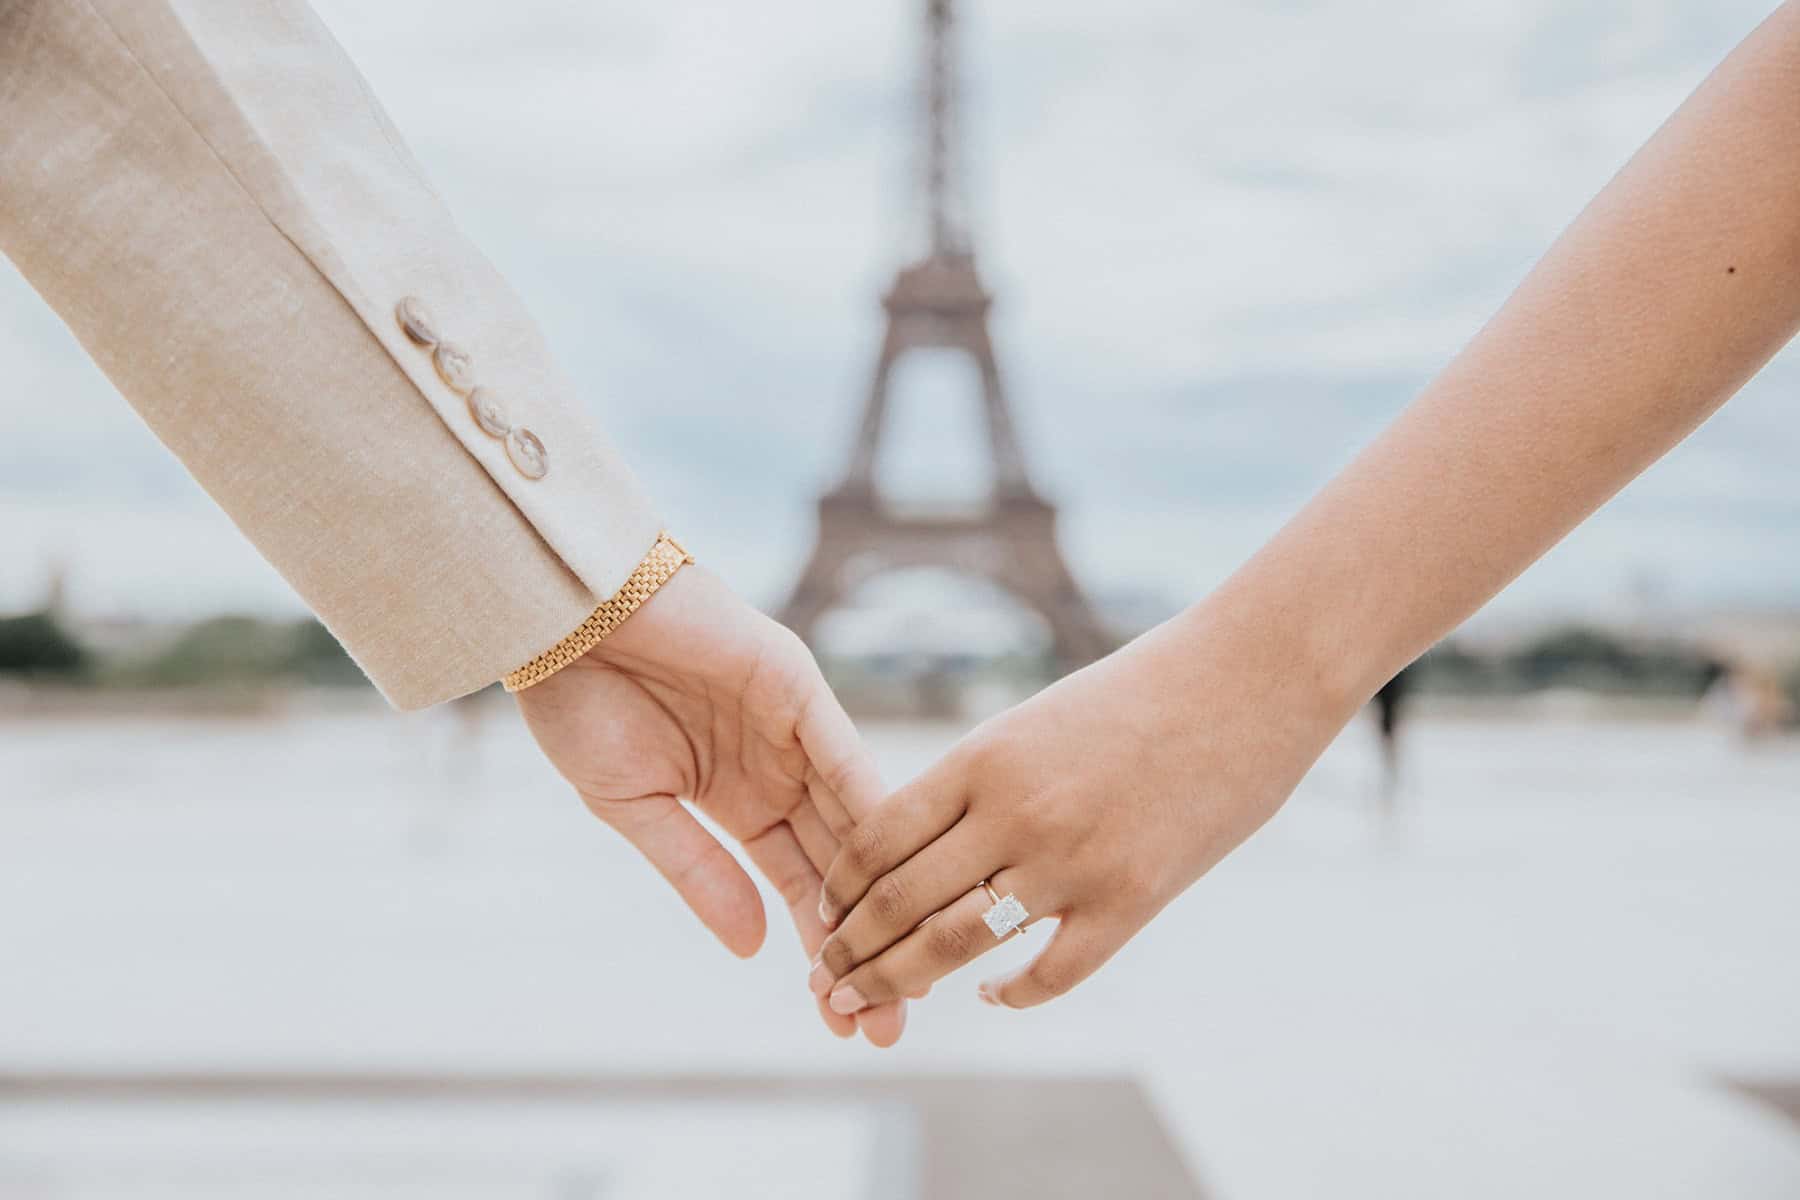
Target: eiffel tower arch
(939,302)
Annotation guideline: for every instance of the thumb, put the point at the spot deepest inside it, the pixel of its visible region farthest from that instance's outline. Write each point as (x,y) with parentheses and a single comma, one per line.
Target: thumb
(1076,950)
(702,871)
(842,780)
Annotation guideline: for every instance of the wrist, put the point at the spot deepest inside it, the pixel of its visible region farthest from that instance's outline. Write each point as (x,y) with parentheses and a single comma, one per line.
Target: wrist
(1272,661)
(693,601)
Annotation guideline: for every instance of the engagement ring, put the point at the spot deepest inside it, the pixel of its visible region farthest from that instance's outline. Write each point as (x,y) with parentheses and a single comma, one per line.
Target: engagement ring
(1006,915)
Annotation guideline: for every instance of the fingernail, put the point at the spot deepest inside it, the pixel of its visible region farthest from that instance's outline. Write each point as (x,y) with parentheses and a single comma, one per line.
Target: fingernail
(820,980)
(987,996)
(825,914)
(847,1000)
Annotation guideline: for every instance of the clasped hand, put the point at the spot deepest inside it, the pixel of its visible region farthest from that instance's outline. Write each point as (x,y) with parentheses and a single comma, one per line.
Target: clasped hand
(700,698)
(1094,803)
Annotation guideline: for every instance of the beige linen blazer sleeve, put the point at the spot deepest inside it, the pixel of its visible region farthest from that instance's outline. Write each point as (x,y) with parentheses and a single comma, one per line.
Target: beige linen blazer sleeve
(209,195)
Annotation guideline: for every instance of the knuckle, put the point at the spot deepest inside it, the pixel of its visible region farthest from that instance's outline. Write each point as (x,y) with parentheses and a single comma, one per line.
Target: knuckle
(1139,888)
(836,774)
(949,941)
(1054,813)
(1021,826)
(617,814)
(865,849)
(835,896)
(837,956)
(1062,821)
(1024,811)
(978,758)
(888,900)
(793,886)
(875,986)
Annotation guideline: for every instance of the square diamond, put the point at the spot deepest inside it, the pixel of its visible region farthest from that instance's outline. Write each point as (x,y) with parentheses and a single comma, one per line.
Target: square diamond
(1006,916)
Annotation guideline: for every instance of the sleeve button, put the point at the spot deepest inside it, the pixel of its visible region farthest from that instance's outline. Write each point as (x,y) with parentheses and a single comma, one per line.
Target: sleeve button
(485,407)
(454,367)
(527,454)
(416,322)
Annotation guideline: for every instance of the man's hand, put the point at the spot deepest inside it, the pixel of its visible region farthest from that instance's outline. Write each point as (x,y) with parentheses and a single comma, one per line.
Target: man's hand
(698,697)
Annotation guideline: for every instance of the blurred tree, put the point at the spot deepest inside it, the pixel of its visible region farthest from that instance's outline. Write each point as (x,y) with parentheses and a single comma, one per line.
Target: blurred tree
(38,645)
(318,658)
(249,650)
(221,650)
(1449,667)
(1580,658)
(1598,661)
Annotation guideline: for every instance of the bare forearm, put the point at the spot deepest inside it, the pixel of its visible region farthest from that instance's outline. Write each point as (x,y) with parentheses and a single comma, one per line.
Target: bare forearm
(1100,799)
(1674,286)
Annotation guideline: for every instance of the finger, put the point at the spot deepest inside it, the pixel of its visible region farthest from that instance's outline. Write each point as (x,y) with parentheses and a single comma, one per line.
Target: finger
(779,855)
(954,938)
(1078,949)
(882,1024)
(841,778)
(906,823)
(702,871)
(843,784)
(898,902)
(825,802)
(820,844)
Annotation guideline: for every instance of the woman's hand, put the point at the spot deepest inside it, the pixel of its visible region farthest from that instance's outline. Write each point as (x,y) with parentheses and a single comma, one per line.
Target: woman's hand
(1096,802)
(698,697)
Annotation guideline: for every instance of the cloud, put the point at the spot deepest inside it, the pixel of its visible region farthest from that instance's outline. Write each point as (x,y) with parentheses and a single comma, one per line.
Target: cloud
(1228,242)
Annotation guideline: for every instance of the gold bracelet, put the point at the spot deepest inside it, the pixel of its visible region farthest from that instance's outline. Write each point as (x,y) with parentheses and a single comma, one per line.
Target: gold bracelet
(665,558)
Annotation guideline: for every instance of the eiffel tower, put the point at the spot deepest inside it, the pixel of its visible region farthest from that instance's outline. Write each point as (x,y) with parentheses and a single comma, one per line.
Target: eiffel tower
(939,303)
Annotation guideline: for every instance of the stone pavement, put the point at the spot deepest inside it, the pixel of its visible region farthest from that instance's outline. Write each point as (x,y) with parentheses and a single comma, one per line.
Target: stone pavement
(935,1138)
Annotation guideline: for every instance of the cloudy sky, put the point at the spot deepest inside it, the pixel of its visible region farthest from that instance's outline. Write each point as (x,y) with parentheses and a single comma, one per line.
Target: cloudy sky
(1229,240)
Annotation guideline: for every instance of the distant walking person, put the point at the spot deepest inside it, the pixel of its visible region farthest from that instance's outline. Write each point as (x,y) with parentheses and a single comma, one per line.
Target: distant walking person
(1389,700)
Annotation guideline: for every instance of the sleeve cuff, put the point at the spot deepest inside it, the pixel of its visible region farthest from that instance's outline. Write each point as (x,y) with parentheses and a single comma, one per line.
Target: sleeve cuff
(656,568)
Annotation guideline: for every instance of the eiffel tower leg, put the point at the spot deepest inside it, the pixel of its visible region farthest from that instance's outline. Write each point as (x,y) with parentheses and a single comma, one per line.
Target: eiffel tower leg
(1075,631)
(861,478)
(811,597)
(822,582)
(1037,573)
(1003,439)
